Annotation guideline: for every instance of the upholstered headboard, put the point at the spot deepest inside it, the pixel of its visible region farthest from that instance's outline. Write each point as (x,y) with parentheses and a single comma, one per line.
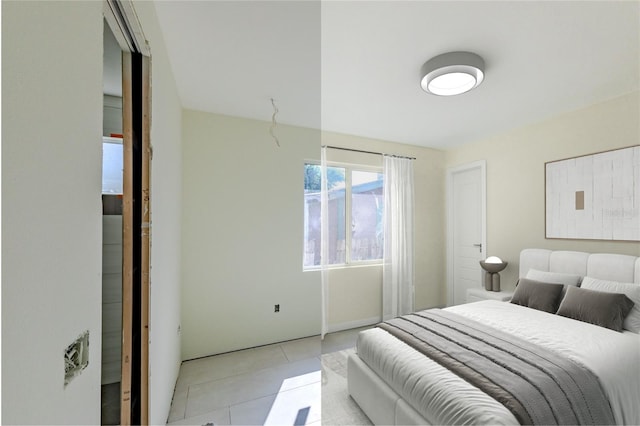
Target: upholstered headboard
(604,266)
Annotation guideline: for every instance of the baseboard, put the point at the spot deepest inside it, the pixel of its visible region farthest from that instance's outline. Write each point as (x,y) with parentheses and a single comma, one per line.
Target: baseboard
(353,324)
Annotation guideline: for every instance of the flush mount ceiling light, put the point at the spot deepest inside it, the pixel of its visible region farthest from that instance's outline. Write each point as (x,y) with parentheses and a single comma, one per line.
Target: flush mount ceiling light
(452,73)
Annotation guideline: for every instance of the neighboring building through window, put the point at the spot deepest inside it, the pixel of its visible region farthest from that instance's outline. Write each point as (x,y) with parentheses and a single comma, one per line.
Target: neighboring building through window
(354,193)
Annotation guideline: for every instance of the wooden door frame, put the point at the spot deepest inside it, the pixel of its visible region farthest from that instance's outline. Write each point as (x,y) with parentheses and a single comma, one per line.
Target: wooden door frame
(482,165)
(127,243)
(145,235)
(136,210)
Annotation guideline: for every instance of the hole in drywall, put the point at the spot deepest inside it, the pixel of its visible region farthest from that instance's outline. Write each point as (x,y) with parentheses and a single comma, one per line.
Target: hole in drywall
(76,357)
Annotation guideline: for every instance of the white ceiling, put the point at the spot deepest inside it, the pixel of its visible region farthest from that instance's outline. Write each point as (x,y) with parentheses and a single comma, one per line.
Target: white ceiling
(353,67)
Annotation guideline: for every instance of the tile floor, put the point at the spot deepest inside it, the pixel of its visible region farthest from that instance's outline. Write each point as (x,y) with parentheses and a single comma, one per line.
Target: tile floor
(275,384)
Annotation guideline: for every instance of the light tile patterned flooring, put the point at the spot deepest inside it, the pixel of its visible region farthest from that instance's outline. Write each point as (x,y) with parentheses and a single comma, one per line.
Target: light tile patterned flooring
(276,384)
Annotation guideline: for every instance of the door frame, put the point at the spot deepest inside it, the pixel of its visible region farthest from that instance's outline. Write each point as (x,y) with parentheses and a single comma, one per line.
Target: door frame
(136,210)
(451,171)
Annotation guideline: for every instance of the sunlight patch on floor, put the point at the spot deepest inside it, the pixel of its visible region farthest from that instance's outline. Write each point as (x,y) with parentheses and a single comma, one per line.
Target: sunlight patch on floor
(297,403)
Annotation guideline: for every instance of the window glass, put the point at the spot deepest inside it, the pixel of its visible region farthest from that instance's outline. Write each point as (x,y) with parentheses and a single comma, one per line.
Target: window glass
(360,239)
(336,188)
(367,201)
(112,159)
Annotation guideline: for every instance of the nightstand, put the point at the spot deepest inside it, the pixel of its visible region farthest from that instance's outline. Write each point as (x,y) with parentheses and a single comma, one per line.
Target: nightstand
(477,294)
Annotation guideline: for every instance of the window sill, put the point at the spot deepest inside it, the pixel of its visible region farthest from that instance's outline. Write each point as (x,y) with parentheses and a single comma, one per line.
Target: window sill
(345,266)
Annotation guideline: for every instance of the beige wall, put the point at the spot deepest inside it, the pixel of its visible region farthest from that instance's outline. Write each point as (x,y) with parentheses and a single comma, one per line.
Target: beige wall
(515,175)
(355,294)
(51,209)
(52,216)
(166,211)
(243,235)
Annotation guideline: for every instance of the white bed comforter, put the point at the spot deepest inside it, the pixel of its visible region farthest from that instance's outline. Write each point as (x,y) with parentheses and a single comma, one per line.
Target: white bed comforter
(443,398)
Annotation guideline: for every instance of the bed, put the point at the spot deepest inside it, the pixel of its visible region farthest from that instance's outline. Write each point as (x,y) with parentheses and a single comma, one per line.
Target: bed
(395,383)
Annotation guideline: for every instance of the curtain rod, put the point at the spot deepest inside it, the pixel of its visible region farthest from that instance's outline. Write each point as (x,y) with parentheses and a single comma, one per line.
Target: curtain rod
(367,152)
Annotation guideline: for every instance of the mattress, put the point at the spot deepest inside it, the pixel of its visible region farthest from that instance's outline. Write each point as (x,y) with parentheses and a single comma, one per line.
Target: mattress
(443,398)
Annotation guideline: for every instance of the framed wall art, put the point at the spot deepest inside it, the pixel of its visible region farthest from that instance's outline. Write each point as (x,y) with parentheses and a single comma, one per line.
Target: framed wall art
(595,197)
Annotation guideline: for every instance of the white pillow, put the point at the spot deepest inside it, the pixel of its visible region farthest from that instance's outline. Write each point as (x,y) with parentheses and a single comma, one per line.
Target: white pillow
(553,277)
(632,291)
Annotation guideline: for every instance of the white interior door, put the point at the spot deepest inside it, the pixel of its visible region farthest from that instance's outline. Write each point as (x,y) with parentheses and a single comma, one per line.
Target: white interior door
(466,231)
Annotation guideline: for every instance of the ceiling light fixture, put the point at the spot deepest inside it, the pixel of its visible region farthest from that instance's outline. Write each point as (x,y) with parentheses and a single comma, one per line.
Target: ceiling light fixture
(452,73)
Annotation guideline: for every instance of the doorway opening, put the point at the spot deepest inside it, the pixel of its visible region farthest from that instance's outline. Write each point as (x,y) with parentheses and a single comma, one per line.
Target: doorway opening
(112,193)
(127,203)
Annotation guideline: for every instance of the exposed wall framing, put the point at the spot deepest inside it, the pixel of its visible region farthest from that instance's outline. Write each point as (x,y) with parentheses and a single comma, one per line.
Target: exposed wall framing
(127,242)
(136,210)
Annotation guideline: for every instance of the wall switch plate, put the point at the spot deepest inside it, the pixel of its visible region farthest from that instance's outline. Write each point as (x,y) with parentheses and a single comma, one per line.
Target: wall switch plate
(76,357)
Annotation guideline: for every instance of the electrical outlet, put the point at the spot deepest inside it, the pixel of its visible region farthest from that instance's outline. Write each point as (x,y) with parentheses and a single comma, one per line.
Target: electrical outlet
(276,308)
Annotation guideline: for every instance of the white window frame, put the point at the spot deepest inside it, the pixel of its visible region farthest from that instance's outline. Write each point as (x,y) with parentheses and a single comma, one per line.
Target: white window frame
(348,169)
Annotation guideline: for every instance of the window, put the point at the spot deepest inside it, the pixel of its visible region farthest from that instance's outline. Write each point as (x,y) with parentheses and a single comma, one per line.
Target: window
(354,193)
(112,159)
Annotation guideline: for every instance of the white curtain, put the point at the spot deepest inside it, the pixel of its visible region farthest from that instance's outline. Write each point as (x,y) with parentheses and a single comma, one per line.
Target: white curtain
(324,242)
(397,281)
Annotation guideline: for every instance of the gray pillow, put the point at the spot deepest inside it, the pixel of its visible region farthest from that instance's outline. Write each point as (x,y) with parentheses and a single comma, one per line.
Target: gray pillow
(596,307)
(537,295)
(554,278)
(631,290)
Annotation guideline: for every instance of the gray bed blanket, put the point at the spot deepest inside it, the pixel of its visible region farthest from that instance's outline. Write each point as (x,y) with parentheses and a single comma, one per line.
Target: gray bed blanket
(537,385)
